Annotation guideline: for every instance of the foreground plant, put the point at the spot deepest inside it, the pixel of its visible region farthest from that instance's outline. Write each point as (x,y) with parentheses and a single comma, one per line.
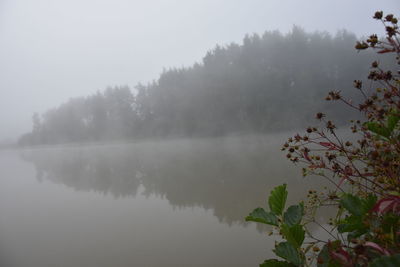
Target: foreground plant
(364,177)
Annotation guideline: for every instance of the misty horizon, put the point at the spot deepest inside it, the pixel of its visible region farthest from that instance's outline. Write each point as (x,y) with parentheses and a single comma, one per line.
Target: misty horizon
(199,133)
(88,48)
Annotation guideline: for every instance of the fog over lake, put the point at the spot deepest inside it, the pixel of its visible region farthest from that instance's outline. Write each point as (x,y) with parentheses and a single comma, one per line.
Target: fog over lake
(177,202)
(143,133)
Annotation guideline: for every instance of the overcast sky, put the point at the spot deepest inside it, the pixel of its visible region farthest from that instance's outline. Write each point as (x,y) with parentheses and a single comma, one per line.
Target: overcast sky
(51,50)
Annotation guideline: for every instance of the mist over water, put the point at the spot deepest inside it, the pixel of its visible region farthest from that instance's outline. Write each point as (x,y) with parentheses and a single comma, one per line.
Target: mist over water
(142,133)
(166,202)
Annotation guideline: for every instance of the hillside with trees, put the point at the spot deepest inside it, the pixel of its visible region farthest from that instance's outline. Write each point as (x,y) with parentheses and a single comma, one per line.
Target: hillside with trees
(253,87)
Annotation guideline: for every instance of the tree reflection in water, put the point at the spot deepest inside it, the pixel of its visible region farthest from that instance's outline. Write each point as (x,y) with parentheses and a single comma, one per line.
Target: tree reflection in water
(227,175)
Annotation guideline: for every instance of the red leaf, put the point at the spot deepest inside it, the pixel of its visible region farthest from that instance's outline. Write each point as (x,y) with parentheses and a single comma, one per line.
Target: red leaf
(391,203)
(376,247)
(342,256)
(386,50)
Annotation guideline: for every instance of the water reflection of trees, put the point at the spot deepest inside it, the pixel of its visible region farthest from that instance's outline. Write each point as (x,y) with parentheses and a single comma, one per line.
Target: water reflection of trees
(230,176)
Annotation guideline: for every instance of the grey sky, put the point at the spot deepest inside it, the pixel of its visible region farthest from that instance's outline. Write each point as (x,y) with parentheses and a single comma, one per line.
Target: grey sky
(52,50)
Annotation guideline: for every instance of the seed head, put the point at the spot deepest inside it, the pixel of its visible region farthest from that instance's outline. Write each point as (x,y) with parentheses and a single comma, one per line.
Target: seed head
(378,15)
(320,115)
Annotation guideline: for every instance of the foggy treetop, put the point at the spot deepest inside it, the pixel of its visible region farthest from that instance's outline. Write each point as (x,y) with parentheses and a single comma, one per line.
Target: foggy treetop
(268,83)
(53,50)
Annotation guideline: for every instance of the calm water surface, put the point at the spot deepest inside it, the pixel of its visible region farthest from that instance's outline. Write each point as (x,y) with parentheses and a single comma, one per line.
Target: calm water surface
(174,203)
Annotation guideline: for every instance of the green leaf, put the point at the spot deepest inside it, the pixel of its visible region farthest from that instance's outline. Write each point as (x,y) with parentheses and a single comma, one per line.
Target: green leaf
(350,224)
(277,199)
(276,263)
(352,204)
(392,121)
(294,234)
(261,216)
(354,230)
(324,259)
(377,129)
(386,261)
(286,251)
(368,202)
(358,208)
(389,222)
(344,227)
(293,215)
(357,233)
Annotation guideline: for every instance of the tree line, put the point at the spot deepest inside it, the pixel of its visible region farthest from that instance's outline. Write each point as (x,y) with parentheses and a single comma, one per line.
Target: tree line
(256,86)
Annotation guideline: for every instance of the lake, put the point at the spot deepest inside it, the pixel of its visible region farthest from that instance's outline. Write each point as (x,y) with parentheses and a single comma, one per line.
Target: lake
(153,203)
